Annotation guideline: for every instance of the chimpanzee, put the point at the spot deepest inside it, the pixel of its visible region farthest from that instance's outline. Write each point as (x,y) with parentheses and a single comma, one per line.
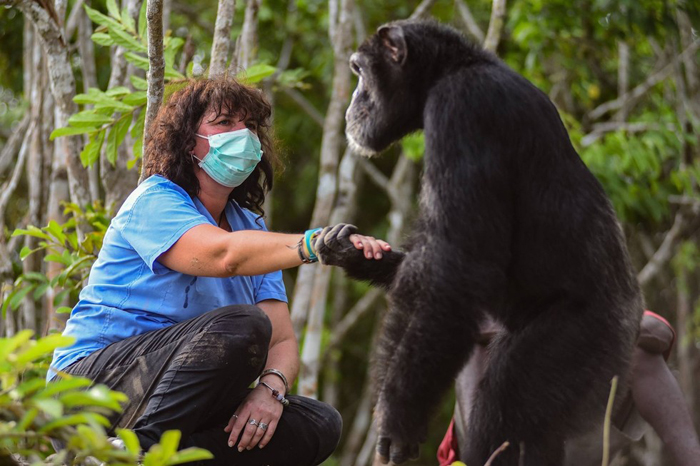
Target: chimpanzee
(512,225)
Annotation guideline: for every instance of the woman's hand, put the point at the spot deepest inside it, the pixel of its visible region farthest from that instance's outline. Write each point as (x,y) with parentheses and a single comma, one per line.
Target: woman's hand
(258,406)
(372,247)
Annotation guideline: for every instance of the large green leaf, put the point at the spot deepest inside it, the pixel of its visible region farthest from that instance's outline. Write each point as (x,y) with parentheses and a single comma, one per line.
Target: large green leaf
(44,347)
(89,118)
(72,130)
(116,137)
(189,455)
(126,40)
(113,9)
(102,20)
(91,153)
(103,39)
(256,73)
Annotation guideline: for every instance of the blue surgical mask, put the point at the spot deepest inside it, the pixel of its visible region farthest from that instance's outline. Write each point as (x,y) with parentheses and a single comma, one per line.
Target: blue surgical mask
(232,156)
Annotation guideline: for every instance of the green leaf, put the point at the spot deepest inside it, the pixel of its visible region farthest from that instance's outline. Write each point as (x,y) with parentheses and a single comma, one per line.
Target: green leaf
(118,91)
(103,39)
(169,441)
(63,385)
(172,74)
(138,83)
(53,408)
(143,24)
(58,299)
(113,9)
(102,20)
(116,137)
(63,310)
(30,386)
(36,276)
(256,73)
(31,231)
(137,99)
(137,130)
(76,419)
(127,40)
(27,419)
(25,251)
(91,153)
(44,347)
(189,455)
(40,290)
(137,60)
(115,105)
(128,21)
(131,441)
(8,345)
(70,131)
(56,230)
(19,296)
(89,118)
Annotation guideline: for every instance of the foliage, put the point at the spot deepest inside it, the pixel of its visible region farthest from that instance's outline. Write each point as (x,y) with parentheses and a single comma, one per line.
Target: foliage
(64,244)
(71,410)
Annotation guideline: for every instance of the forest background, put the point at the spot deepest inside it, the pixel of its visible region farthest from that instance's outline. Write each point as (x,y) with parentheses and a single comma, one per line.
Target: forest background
(625,76)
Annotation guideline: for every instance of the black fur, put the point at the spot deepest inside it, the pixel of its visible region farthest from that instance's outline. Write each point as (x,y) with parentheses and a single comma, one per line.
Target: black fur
(511,224)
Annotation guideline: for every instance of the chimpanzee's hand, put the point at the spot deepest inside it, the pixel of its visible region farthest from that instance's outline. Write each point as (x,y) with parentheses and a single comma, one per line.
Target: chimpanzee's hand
(394,446)
(342,245)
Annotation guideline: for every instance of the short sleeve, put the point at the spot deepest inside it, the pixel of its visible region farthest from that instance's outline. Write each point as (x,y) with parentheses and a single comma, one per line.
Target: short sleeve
(271,287)
(156,220)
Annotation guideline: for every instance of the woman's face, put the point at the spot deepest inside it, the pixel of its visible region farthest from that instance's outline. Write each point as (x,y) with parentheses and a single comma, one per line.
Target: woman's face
(214,124)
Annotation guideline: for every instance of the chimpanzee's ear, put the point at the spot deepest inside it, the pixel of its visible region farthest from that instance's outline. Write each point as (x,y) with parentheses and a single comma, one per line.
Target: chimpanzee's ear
(393,39)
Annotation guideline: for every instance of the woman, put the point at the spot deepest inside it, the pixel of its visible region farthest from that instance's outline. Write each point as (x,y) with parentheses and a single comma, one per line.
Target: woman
(185,306)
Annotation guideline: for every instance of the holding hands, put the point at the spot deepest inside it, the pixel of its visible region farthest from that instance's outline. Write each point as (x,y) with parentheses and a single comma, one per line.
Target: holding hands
(336,244)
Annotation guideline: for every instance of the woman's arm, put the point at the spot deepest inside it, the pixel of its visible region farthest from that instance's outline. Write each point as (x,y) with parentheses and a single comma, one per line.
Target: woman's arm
(206,250)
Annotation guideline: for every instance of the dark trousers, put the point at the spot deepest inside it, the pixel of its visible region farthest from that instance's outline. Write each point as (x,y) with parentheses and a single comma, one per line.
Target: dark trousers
(193,375)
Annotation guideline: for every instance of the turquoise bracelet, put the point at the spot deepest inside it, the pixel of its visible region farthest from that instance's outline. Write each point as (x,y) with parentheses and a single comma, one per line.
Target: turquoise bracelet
(308,234)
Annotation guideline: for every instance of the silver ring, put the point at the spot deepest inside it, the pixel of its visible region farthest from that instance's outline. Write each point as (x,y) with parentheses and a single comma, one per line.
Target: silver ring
(253,422)
(263,426)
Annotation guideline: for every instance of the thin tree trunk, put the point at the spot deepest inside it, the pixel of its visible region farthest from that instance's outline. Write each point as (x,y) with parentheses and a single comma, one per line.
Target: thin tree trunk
(222,38)
(248,40)
(623,77)
(493,36)
(156,69)
(469,21)
(330,154)
(87,61)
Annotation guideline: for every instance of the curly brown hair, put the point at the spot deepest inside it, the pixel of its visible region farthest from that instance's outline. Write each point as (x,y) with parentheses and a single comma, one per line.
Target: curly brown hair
(172,135)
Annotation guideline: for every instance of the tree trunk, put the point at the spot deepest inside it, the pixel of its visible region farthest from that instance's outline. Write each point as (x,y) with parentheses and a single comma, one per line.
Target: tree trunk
(222,38)
(156,69)
(330,155)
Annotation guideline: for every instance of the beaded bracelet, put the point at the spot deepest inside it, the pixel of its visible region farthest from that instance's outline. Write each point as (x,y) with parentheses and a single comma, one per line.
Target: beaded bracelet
(276,394)
(304,244)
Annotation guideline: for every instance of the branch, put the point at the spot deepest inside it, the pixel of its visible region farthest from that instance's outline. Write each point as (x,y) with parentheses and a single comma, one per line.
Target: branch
(423,9)
(599,129)
(11,146)
(641,89)
(360,308)
(8,188)
(498,451)
(222,37)
(469,21)
(493,36)
(305,105)
(73,18)
(665,251)
(156,69)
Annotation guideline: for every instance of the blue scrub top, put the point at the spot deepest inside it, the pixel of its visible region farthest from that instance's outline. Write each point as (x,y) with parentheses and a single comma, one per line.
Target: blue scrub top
(129,292)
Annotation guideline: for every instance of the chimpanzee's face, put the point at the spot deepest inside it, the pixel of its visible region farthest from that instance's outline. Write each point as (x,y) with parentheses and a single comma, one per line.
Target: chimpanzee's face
(383,108)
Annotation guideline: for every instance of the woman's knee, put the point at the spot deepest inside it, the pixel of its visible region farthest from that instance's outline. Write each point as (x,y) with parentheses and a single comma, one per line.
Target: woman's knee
(237,333)
(323,422)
